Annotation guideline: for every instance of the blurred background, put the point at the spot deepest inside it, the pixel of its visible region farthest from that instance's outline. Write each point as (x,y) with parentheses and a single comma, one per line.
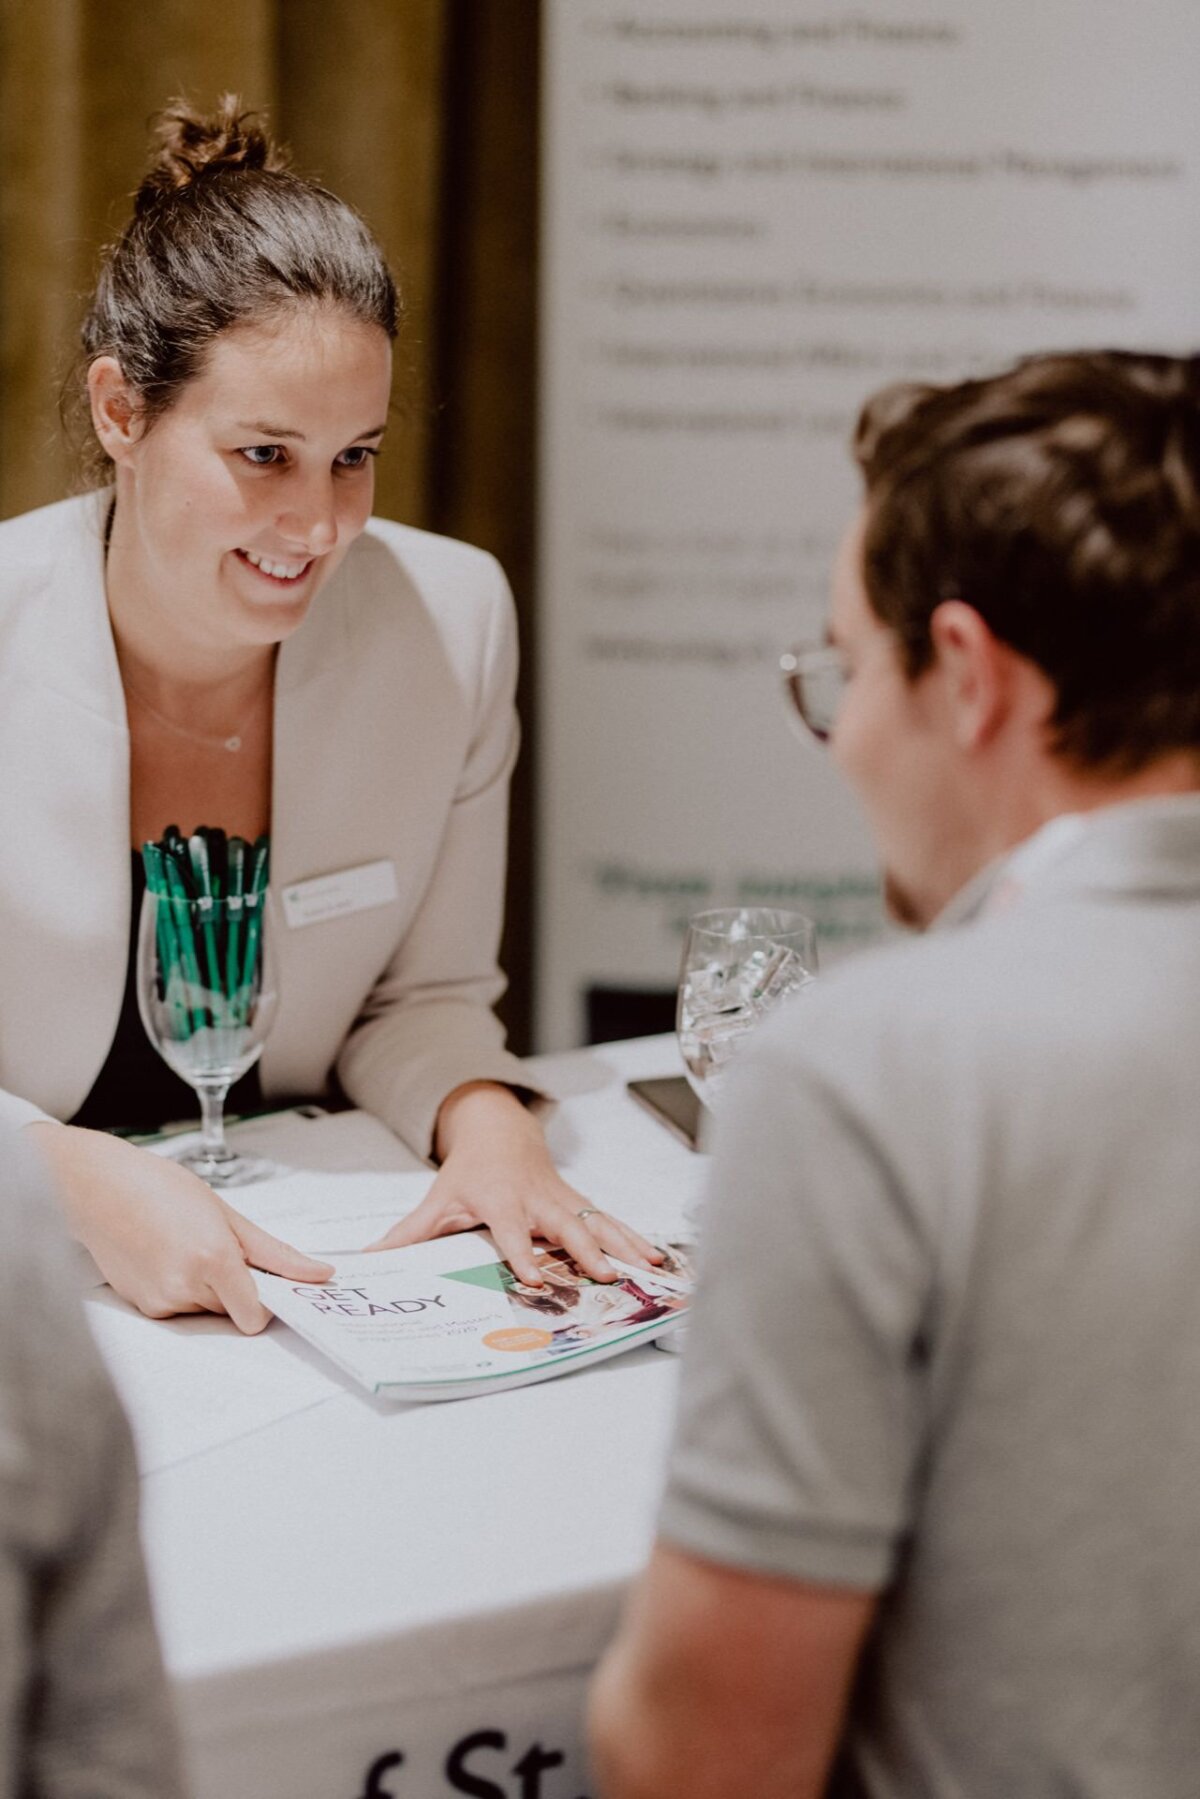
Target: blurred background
(654,254)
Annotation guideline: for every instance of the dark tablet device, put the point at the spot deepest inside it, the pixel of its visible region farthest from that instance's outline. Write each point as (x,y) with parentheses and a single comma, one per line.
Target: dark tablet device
(673,1103)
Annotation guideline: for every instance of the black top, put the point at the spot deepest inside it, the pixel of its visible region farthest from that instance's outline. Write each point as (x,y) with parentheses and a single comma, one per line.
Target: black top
(135,1090)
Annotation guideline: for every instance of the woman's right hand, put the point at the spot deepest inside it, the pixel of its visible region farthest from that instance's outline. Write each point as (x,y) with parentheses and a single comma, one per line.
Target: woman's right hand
(161,1238)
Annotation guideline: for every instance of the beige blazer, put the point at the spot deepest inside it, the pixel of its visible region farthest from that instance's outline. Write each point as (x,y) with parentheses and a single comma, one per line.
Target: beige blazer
(395,734)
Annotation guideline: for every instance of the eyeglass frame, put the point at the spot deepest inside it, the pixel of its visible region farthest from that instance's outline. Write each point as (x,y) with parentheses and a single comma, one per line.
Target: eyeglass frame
(802,669)
(810,661)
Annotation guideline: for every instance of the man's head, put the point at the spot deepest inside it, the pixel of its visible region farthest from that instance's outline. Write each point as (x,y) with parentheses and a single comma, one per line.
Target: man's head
(1019,607)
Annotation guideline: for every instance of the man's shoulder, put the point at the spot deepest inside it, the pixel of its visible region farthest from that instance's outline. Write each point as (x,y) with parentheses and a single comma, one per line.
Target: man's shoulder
(932,1009)
(897,986)
(1073,993)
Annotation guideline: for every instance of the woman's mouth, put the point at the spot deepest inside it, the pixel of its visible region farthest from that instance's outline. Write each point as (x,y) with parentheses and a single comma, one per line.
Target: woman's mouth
(278,570)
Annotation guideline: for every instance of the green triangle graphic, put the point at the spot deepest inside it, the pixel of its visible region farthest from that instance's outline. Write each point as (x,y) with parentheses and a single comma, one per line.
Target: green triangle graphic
(495,1275)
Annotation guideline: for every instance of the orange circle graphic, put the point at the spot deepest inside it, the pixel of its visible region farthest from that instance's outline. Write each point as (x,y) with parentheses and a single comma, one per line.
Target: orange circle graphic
(518,1337)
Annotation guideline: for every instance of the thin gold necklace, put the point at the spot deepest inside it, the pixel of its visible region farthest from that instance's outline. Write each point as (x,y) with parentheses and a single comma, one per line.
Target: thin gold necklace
(233,742)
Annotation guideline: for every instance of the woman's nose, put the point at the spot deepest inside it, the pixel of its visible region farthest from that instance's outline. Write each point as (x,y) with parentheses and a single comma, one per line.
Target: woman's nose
(310,519)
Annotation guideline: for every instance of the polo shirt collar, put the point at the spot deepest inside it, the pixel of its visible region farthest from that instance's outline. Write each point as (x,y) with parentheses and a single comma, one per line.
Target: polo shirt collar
(1139,848)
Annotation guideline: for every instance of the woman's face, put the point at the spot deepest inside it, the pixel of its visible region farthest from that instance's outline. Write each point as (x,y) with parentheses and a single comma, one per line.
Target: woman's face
(240,501)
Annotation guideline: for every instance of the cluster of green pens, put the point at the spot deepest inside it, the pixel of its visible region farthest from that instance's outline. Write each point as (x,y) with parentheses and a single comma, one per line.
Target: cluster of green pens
(209,932)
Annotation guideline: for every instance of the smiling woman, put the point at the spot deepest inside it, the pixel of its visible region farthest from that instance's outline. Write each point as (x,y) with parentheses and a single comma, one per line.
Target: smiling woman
(222,635)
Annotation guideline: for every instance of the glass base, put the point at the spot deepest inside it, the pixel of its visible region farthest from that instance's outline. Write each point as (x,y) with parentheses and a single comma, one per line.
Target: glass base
(229,1170)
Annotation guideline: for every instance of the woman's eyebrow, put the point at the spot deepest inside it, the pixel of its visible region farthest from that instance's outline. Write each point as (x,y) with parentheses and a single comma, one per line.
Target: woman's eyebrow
(263,429)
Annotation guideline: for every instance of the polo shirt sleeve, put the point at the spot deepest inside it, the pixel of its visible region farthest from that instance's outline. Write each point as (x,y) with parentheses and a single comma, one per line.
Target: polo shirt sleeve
(801,1423)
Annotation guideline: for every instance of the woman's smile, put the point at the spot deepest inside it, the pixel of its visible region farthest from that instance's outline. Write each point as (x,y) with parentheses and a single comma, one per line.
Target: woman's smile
(279,571)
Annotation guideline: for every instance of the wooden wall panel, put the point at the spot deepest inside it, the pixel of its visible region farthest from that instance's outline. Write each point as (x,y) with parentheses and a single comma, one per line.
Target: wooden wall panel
(79,81)
(483,478)
(361,107)
(43,256)
(173,47)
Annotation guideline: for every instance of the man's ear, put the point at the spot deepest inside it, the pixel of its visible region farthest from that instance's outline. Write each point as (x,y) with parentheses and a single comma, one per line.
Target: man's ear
(977,672)
(115,415)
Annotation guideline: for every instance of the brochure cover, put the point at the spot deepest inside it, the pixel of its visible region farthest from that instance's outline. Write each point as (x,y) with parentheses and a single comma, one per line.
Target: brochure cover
(449,1319)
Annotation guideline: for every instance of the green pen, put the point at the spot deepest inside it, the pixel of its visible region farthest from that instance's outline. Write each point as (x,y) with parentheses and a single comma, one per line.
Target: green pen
(235,879)
(218,875)
(175,855)
(262,858)
(168,948)
(255,890)
(198,851)
(218,858)
(181,909)
(150,856)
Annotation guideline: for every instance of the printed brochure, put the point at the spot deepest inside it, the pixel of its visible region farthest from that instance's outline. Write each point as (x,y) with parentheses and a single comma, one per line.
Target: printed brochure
(449,1319)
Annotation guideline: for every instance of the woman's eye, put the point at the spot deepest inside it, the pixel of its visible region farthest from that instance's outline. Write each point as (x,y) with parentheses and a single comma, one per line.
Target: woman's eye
(357,456)
(262,455)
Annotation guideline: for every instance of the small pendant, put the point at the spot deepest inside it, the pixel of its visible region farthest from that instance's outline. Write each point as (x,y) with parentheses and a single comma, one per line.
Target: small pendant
(233,743)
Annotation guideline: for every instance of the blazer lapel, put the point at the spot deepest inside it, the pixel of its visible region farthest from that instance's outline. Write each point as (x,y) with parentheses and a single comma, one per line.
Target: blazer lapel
(311,673)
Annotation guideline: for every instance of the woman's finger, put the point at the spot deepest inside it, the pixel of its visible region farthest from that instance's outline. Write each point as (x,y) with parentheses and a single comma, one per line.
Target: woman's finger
(609,1230)
(622,1240)
(234,1292)
(581,1245)
(264,1251)
(515,1243)
(434,1217)
(423,1222)
(413,1229)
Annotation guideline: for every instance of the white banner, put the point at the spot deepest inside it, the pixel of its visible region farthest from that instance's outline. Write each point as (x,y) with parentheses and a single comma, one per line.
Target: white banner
(756,215)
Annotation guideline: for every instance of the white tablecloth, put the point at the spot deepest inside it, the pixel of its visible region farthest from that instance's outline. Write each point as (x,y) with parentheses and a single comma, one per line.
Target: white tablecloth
(359,1598)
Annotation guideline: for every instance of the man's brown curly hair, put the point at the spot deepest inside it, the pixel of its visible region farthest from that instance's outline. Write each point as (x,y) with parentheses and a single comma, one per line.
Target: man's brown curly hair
(1062,501)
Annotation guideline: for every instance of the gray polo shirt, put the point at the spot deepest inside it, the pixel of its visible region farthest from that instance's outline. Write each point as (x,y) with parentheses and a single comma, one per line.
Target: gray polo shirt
(947,1346)
(83,1703)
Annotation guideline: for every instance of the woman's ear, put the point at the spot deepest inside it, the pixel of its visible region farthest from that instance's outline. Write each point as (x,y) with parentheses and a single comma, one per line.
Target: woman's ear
(115,416)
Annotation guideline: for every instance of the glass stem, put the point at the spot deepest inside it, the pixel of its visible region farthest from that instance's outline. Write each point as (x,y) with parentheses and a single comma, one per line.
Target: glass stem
(213,1146)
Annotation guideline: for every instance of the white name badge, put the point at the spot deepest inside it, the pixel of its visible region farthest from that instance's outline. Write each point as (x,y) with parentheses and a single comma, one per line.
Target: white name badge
(332,896)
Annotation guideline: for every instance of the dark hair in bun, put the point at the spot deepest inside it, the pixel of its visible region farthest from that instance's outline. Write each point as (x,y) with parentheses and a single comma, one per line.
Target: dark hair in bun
(187,146)
(223,234)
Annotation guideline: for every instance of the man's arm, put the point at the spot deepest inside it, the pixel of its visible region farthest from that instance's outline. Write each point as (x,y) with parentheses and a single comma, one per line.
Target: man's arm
(723,1681)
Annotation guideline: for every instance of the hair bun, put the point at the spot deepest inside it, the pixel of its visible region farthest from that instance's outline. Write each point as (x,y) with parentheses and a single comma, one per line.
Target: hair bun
(190,145)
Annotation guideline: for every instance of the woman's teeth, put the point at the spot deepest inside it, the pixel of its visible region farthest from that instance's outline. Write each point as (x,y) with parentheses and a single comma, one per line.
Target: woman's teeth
(279,571)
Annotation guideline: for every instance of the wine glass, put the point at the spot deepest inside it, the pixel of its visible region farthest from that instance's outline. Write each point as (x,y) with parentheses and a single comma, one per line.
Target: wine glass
(739,962)
(208,993)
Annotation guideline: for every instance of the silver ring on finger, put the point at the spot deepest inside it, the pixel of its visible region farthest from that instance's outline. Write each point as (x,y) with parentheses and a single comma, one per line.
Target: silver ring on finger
(589,1212)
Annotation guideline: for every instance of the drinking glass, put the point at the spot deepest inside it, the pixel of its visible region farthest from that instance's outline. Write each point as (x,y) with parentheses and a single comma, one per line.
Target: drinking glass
(208,992)
(738,964)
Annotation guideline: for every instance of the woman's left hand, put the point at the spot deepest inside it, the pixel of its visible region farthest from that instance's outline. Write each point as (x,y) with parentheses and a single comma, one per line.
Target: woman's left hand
(496,1172)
